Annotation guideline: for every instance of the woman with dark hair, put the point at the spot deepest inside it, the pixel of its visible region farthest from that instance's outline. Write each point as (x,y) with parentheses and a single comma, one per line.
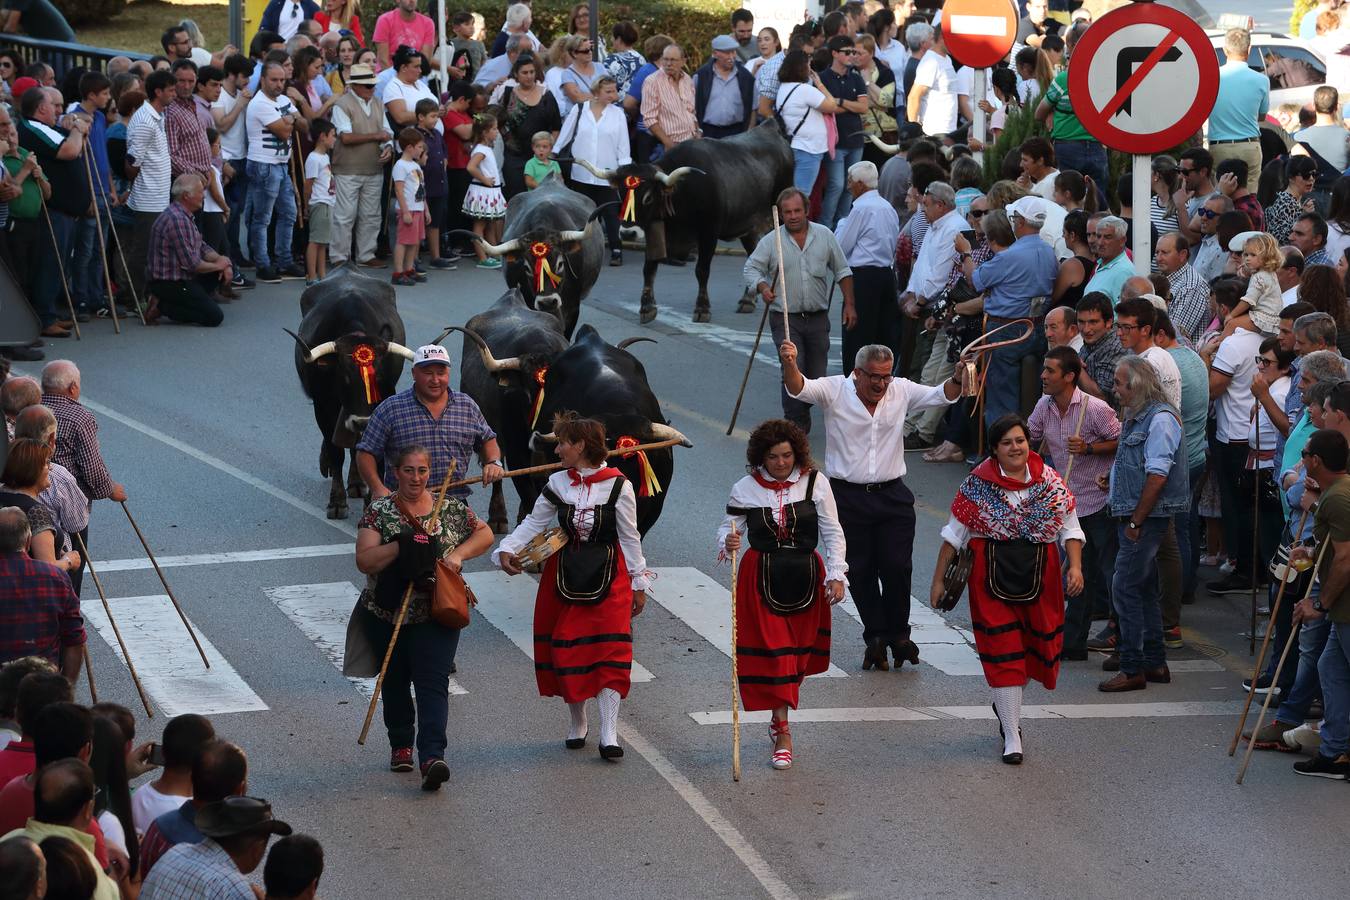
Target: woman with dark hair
(1324,288)
(407,86)
(70,870)
(625,60)
(882,28)
(784,589)
(1076,271)
(1013,512)
(592,588)
(11,67)
(801,104)
(1299,179)
(1229,226)
(348,49)
(1163,184)
(306,77)
(579,23)
(769,45)
(27,474)
(528,108)
(112,802)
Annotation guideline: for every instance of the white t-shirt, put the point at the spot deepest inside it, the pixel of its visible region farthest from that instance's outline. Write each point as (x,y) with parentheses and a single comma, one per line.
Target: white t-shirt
(324,192)
(798,99)
(1045,188)
(233,140)
(209,204)
(397,89)
(264,146)
(148,804)
(114,835)
(408,175)
(1266,439)
(1168,373)
(1233,408)
(938,108)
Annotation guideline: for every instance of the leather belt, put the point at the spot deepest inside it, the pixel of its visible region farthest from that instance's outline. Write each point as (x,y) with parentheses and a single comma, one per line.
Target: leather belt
(1237,141)
(876,485)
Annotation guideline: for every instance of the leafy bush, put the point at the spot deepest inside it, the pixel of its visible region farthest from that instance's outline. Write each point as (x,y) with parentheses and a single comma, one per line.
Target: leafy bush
(1301,9)
(82,12)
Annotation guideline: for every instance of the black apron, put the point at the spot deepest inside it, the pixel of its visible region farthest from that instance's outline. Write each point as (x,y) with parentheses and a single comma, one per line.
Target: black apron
(789,569)
(586,567)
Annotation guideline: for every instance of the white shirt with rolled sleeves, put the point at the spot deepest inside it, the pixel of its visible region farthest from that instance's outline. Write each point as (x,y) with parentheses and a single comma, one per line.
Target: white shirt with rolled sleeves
(863,447)
(811,269)
(937,256)
(1236,358)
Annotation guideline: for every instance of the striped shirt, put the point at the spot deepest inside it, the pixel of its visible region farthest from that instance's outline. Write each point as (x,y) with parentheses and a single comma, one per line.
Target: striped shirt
(1099,423)
(188,149)
(670,104)
(149,145)
(1189,309)
(194,872)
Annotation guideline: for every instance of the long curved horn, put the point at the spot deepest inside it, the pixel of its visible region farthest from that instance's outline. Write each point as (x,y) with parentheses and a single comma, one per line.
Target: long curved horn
(627,342)
(574,235)
(606,174)
(402,351)
(549,438)
(510,246)
(600,210)
(491,363)
(322,350)
(303,345)
(890,149)
(662,432)
(670,179)
(440,337)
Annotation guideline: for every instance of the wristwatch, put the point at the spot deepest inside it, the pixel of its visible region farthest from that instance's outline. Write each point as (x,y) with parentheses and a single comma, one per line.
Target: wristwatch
(492,462)
(1317,604)
(1133,526)
(1087,450)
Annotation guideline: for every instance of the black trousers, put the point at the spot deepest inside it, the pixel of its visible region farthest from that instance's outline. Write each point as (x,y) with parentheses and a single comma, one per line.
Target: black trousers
(876,300)
(811,333)
(189,301)
(610,217)
(879,528)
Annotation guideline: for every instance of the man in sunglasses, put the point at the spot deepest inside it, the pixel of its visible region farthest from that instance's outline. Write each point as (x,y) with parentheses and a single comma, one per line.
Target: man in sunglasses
(1210,257)
(1197,183)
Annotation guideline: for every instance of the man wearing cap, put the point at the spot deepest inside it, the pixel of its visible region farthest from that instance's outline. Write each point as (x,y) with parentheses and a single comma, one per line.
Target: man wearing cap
(237,830)
(1016,285)
(723,91)
(358,167)
(448,423)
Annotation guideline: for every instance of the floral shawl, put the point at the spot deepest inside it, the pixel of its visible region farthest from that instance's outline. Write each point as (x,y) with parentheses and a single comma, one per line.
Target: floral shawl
(981,505)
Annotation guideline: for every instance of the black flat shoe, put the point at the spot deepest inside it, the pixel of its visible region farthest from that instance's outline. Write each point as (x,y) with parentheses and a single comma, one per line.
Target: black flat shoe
(576,743)
(875,656)
(905,651)
(610,754)
(1012,759)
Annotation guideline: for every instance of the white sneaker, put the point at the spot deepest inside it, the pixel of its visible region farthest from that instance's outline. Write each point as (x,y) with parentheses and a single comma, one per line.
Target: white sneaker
(1303,739)
(1209,559)
(1227,568)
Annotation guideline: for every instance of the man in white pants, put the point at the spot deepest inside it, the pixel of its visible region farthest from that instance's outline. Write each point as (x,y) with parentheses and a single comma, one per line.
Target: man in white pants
(358,168)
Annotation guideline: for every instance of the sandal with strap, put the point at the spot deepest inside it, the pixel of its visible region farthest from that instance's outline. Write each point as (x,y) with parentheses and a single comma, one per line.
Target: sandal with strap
(782,759)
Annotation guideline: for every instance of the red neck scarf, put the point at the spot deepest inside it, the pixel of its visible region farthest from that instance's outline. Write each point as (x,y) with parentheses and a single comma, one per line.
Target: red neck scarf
(990,471)
(764,482)
(604,474)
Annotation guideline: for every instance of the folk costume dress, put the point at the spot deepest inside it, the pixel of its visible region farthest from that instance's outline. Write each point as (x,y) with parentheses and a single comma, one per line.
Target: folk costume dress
(783,618)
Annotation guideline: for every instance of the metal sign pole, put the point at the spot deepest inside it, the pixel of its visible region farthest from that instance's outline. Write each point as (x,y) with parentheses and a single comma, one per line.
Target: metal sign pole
(1143,223)
(445,45)
(977,127)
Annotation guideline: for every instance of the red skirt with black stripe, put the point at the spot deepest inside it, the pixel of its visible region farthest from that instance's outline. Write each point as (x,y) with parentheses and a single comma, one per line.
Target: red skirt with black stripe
(580,650)
(1018,642)
(774,653)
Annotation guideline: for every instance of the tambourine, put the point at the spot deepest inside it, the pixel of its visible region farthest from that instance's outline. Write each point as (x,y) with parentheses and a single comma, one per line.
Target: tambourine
(541,547)
(954,579)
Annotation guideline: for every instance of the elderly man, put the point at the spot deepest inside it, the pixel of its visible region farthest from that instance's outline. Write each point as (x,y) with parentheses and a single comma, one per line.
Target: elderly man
(498,68)
(16,395)
(237,831)
(149,164)
(63,803)
(1101,346)
(1074,426)
(865,461)
(668,101)
(63,496)
(932,101)
(843,82)
(919,38)
(42,613)
(868,235)
(724,92)
(1309,235)
(519,19)
(1290,274)
(1210,257)
(1243,101)
(1113,264)
(1148,487)
(184,272)
(1189,309)
(1016,285)
(1312,337)
(446,422)
(358,173)
(77,434)
(1061,330)
(271,120)
(810,251)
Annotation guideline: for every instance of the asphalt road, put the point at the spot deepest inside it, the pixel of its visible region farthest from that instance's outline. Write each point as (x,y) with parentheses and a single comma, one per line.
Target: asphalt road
(901,794)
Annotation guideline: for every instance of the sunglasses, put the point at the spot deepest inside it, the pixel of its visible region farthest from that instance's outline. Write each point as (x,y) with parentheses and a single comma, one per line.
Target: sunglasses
(1206,214)
(978,213)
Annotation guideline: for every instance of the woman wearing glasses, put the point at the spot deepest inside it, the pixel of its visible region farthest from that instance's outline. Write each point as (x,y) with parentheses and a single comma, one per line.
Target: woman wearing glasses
(1294,200)
(575,81)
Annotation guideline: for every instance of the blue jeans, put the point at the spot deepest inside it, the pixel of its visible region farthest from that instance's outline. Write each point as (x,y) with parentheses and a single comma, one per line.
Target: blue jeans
(1334,669)
(269,192)
(1137,598)
(1003,385)
(805,168)
(1307,687)
(1086,157)
(835,202)
(236,195)
(421,663)
(49,294)
(87,286)
(1185,529)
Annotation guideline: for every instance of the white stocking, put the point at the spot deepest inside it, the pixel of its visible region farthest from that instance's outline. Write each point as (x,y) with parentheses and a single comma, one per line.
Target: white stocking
(578,726)
(608,701)
(1008,705)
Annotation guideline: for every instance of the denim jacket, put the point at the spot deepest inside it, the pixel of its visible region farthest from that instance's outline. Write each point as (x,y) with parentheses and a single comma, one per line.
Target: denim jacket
(1129,474)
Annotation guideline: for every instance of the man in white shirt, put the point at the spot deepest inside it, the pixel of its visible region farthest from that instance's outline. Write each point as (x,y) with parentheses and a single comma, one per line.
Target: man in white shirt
(270,123)
(1134,324)
(932,102)
(228,113)
(148,159)
(868,235)
(1061,329)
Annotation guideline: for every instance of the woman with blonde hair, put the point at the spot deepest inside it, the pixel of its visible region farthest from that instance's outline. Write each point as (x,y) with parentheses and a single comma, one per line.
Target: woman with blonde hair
(342,16)
(1004,193)
(575,83)
(557,59)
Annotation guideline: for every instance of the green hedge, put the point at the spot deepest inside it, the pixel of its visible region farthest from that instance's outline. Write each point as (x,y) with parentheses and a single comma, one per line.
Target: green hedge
(83,12)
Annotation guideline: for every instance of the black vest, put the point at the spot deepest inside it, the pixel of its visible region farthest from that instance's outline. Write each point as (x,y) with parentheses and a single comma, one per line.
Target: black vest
(703,80)
(586,567)
(789,569)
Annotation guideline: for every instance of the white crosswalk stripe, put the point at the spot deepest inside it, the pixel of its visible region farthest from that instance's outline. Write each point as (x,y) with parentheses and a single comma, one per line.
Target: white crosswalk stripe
(946,648)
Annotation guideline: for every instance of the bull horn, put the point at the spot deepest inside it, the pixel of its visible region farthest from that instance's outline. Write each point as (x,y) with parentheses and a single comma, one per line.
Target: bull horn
(626,342)
(490,362)
(889,149)
(303,345)
(606,174)
(402,351)
(510,246)
(322,350)
(442,336)
(549,438)
(666,433)
(574,235)
(670,179)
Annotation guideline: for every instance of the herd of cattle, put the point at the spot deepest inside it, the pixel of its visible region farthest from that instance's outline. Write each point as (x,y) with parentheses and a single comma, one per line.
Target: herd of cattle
(524,358)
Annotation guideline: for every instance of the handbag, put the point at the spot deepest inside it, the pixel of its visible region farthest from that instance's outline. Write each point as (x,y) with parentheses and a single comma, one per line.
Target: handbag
(1013,569)
(359,659)
(450,597)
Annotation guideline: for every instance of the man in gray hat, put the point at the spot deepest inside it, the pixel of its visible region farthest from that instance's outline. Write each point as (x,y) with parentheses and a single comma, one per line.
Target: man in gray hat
(723,91)
(358,168)
(237,830)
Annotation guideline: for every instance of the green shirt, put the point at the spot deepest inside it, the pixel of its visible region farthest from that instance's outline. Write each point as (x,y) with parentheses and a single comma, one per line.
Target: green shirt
(1332,522)
(27,205)
(539,170)
(1066,125)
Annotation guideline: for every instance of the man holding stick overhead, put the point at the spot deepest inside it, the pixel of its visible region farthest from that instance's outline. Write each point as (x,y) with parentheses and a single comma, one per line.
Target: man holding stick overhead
(809,252)
(865,461)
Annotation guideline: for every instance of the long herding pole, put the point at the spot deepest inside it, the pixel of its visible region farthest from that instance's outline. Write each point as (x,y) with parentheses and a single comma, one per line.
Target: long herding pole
(164,581)
(735,683)
(117,632)
(782,276)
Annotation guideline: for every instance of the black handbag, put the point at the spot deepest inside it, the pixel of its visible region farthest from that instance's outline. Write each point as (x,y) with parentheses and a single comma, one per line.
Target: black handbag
(1013,570)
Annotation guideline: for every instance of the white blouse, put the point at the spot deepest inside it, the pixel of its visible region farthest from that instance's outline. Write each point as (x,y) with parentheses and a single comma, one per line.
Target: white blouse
(585,497)
(750,494)
(958,535)
(602,143)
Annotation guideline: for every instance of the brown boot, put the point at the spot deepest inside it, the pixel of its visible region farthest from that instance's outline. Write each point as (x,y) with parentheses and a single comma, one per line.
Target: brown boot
(1122,682)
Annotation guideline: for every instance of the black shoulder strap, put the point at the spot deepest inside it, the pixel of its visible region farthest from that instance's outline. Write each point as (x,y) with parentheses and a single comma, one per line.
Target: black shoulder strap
(552,497)
(615,491)
(811,485)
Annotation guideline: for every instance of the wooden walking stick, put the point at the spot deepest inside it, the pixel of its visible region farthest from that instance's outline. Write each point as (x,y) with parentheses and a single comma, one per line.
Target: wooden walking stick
(1256,528)
(117,632)
(555,467)
(295,169)
(782,275)
(1076,430)
(402,612)
(89,670)
(131,281)
(102,242)
(1279,666)
(736,410)
(1265,644)
(735,683)
(164,581)
(61,267)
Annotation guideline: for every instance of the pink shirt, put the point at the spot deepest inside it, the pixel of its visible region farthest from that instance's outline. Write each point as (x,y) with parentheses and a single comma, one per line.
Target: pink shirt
(396,31)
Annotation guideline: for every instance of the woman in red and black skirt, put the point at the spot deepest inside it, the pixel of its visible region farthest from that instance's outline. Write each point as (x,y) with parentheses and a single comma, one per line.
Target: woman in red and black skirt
(591,588)
(1014,511)
(783,584)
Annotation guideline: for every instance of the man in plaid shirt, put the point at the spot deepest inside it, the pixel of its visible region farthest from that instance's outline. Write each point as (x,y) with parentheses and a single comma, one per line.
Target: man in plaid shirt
(39,613)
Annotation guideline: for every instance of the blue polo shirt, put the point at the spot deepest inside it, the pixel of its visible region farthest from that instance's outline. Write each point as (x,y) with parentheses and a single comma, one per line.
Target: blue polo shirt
(1244,96)
(1011,279)
(1110,277)
(97,141)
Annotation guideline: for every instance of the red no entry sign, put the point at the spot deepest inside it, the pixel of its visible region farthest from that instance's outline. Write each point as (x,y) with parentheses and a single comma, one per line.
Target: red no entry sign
(979,33)
(1143,78)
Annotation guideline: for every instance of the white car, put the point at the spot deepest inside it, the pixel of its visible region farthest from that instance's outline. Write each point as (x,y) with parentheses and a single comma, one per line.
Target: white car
(1295,70)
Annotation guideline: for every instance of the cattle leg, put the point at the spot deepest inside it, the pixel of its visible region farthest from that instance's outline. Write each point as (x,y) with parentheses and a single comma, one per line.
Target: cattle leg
(356,487)
(747,302)
(707,248)
(337,493)
(647,310)
(497,509)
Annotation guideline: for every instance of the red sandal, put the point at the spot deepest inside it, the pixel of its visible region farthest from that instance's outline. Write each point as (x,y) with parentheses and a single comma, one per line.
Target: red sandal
(782,759)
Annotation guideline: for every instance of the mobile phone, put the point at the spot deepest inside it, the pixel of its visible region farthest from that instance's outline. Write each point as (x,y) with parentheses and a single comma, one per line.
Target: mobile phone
(970,234)
(156,755)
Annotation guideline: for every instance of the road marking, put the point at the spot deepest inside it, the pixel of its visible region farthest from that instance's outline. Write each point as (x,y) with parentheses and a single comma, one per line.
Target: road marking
(220,559)
(938,713)
(736,842)
(508,604)
(702,603)
(946,648)
(321,612)
(167,662)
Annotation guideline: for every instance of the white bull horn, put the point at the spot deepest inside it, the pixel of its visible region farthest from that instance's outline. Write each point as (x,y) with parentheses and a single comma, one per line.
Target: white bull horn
(606,174)
(539,437)
(884,147)
(670,179)
(569,236)
(402,351)
(490,362)
(323,349)
(662,432)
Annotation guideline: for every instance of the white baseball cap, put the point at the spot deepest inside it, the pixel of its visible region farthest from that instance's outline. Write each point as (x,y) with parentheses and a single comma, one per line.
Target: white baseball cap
(431,354)
(1240,240)
(1029,209)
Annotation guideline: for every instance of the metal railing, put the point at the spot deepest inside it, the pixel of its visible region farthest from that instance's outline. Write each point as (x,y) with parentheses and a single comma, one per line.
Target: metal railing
(61,55)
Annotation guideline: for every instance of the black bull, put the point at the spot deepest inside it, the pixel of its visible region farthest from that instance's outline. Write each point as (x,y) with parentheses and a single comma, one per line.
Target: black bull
(698,193)
(349,355)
